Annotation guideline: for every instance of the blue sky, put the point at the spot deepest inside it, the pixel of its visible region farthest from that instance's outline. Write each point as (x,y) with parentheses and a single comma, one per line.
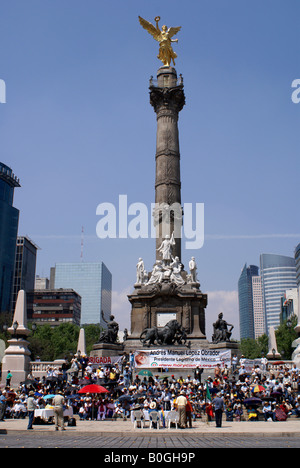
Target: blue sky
(78,129)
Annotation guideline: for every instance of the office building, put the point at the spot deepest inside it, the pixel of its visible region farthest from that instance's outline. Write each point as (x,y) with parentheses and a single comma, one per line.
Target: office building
(25,265)
(54,307)
(9,220)
(258,307)
(245,294)
(297,263)
(41,283)
(93,281)
(289,304)
(278,273)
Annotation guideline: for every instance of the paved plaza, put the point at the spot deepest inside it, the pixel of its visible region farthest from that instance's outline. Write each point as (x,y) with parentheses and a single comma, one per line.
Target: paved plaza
(122,435)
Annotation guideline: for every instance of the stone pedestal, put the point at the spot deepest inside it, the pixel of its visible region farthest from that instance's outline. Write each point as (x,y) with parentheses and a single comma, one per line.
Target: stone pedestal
(107,350)
(17,361)
(155,305)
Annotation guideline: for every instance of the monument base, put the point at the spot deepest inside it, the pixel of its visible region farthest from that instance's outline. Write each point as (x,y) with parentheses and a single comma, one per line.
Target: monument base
(225,345)
(107,350)
(17,361)
(157,304)
(131,345)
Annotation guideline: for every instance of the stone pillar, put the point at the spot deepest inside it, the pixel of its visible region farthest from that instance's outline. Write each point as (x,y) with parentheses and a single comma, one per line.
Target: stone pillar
(81,343)
(273,352)
(17,355)
(167,98)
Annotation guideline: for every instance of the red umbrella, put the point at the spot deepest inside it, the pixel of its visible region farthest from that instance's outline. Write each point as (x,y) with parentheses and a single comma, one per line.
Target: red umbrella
(93,389)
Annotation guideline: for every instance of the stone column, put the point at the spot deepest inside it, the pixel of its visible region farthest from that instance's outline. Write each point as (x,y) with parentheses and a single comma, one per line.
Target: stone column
(167,98)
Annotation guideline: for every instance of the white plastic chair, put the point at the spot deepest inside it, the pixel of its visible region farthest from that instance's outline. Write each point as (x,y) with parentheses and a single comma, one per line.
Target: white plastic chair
(138,418)
(172,417)
(154,418)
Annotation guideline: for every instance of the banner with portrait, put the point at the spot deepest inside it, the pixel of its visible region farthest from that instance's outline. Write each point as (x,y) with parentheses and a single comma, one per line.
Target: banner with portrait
(187,358)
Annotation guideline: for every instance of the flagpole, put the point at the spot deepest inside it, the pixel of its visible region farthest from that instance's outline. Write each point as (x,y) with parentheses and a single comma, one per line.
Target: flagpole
(207,397)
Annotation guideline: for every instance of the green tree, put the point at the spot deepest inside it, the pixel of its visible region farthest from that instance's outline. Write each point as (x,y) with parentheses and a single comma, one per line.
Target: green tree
(285,336)
(5,319)
(254,348)
(50,343)
(92,335)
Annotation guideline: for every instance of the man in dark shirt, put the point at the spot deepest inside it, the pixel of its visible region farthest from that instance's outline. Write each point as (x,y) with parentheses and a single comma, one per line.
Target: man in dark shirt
(218,404)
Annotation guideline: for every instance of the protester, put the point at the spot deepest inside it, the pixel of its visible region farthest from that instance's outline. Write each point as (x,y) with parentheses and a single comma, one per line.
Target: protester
(31,406)
(58,402)
(8,378)
(181,407)
(218,405)
(280,387)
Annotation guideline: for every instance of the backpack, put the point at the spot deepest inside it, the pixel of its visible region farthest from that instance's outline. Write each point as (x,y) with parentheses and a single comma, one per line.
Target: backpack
(72,422)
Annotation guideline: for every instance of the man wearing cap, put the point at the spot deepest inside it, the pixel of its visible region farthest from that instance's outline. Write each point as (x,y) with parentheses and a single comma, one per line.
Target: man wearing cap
(31,406)
(58,403)
(218,404)
(181,406)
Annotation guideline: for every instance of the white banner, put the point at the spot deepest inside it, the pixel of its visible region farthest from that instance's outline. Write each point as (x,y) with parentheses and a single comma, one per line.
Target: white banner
(96,361)
(188,358)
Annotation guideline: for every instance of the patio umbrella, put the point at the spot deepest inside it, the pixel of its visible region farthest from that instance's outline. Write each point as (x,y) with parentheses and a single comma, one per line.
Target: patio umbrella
(125,397)
(93,389)
(252,401)
(146,372)
(72,397)
(258,389)
(48,397)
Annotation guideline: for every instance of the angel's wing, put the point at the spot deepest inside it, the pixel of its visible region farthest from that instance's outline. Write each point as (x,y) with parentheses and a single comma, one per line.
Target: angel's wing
(173,31)
(150,28)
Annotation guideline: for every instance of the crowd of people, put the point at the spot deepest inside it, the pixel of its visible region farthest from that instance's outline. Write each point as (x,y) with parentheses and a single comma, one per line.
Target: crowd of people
(234,393)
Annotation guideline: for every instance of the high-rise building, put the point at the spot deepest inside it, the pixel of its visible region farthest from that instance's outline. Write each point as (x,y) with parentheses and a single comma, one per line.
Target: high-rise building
(246,301)
(25,265)
(9,220)
(278,273)
(93,281)
(258,307)
(289,304)
(297,263)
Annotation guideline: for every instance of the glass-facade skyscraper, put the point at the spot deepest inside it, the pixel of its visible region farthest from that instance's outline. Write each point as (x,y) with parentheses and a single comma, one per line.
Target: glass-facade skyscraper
(297,262)
(9,220)
(93,281)
(278,273)
(245,293)
(25,265)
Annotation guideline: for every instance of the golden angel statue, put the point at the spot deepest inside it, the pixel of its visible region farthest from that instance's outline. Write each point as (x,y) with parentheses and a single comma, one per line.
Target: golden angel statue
(164,37)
